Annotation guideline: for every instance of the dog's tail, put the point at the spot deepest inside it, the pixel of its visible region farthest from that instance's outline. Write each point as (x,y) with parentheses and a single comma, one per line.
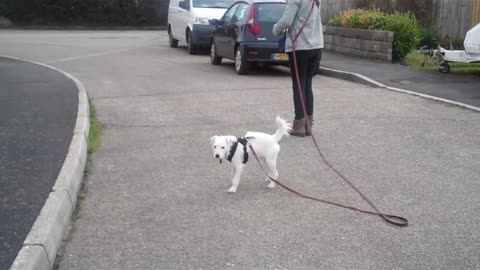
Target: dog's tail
(283,129)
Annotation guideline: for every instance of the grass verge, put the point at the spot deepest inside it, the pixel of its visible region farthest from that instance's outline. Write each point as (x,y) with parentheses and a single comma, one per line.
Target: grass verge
(95,130)
(93,144)
(415,60)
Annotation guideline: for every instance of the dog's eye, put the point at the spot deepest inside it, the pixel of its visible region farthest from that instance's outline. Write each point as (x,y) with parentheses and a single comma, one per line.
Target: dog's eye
(214,146)
(223,147)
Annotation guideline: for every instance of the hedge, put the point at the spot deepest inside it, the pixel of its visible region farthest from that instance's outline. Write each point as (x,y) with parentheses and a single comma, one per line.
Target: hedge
(85,12)
(404,25)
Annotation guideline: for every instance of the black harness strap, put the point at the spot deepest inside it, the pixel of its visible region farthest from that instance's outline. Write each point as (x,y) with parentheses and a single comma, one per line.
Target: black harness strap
(243,141)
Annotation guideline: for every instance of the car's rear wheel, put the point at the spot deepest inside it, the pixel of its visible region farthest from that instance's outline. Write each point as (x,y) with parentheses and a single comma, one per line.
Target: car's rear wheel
(213,55)
(171,41)
(190,46)
(241,65)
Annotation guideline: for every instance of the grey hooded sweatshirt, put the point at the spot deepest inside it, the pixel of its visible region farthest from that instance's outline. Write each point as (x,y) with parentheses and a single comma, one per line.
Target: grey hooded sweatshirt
(293,18)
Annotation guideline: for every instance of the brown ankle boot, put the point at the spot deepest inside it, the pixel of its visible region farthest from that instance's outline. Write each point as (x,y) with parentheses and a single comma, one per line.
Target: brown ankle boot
(308,125)
(298,128)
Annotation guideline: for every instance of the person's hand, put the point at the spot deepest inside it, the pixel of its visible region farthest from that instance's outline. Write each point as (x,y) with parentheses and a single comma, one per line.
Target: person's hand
(281,34)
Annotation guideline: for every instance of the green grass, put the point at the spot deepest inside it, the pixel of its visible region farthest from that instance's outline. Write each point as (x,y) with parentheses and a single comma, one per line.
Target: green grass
(93,144)
(415,60)
(82,194)
(95,131)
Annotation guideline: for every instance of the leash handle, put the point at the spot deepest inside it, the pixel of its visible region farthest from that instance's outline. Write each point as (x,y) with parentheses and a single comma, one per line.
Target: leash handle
(392,219)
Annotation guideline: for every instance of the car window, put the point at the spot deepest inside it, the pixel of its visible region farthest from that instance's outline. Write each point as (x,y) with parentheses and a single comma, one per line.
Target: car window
(227,17)
(240,12)
(212,3)
(269,12)
(184,4)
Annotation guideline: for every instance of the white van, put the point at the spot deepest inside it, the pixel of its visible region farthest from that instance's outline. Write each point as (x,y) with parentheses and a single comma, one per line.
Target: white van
(188,21)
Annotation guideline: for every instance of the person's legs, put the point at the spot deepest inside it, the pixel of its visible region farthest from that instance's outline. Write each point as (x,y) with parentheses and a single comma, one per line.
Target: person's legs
(298,128)
(312,62)
(302,59)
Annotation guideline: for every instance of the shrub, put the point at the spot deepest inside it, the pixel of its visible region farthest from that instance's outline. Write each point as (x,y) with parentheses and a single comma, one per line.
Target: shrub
(404,25)
(85,12)
(3,8)
(359,18)
(407,33)
(430,37)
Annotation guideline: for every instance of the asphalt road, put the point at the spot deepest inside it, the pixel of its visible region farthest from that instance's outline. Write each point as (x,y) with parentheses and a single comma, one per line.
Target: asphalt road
(158,200)
(38,108)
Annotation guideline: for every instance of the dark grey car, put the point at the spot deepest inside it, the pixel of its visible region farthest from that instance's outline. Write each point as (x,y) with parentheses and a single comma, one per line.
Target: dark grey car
(244,34)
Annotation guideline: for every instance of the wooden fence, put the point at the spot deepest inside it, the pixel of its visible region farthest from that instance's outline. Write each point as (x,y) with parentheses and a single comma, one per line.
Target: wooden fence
(452,17)
(475,13)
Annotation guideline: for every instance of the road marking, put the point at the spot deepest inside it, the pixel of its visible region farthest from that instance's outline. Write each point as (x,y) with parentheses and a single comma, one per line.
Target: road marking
(84,56)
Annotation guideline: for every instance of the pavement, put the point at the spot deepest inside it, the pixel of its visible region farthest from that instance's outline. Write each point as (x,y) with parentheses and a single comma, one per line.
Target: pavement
(156,199)
(460,88)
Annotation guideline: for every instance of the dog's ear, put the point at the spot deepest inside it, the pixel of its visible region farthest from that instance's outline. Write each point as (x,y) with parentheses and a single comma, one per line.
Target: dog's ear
(212,139)
(231,139)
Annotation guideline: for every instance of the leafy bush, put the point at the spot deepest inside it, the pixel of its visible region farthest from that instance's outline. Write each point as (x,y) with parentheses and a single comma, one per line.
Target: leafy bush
(359,18)
(430,37)
(85,12)
(3,8)
(407,33)
(404,25)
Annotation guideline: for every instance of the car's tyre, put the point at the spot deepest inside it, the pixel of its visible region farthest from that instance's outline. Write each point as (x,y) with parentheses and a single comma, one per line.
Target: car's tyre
(444,67)
(191,48)
(173,43)
(214,59)
(241,65)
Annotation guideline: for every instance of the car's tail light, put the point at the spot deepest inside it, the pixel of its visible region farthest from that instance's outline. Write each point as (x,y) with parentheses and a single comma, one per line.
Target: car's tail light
(253,26)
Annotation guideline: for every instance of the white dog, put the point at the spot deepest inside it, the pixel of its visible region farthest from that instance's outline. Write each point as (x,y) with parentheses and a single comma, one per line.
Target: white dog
(237,150)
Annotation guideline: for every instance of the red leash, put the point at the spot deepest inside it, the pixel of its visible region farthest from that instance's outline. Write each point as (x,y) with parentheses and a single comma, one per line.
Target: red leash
(392,219)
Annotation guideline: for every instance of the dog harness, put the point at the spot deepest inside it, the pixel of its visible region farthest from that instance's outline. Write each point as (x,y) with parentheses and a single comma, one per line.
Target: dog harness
(243,141)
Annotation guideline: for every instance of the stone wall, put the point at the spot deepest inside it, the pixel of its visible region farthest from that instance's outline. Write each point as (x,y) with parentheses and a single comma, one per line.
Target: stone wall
(370,44)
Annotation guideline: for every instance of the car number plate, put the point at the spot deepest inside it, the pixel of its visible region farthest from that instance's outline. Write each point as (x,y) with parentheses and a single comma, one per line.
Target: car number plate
(280,56)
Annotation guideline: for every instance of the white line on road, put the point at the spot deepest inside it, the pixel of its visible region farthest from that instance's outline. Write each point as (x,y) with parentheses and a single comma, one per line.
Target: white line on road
(84,56)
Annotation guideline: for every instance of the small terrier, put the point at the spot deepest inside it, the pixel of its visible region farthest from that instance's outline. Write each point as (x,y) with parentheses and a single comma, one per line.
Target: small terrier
(237,150)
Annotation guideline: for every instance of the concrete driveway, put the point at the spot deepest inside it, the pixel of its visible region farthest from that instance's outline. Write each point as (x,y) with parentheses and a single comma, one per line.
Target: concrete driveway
(157,199)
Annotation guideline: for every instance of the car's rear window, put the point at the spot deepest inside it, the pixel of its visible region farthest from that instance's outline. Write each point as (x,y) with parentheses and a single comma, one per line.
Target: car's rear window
(269,12)
(212,3)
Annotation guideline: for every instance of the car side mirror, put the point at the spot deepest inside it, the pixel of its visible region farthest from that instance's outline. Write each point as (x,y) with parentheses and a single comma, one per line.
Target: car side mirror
(184,4)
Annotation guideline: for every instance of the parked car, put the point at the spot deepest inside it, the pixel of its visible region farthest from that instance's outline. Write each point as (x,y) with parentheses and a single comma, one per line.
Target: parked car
(244,34)
(188,21)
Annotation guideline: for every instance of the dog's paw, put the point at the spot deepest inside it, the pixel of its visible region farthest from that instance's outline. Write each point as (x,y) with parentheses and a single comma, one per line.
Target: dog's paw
(232,190)
(271,185)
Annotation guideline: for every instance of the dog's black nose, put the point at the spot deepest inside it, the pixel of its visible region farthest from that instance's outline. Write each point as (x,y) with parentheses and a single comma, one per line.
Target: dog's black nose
(217,156)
